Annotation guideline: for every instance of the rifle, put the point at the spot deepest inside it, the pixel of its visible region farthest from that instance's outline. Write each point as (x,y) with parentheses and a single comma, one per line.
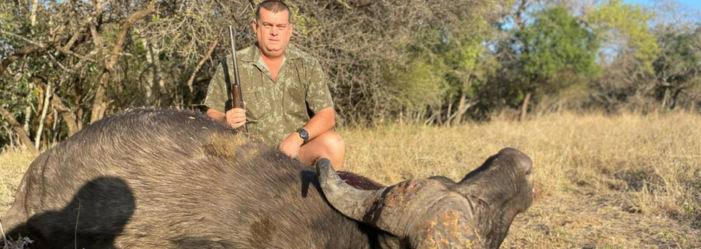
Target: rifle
(235,88)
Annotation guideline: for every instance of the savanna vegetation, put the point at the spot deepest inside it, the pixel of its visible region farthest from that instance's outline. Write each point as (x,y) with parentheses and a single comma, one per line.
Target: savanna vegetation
(603,95)
(65,64)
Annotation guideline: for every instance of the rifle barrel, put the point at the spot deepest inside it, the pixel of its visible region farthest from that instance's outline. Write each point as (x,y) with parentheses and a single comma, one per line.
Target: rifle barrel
(232,33)
(237,97)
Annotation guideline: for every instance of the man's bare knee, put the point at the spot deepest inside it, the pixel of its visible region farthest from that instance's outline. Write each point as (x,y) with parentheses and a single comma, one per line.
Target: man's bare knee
(334,143)
(334,149)
(328,145)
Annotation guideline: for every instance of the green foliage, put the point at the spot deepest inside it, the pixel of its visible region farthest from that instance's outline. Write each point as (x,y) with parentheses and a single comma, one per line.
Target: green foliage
(466,56)
(554,42)
(615,19)
(678,65)
(447,63)
(548,49)
(17,94)
(6,21)
(680,57)
(301,22)
(415,86)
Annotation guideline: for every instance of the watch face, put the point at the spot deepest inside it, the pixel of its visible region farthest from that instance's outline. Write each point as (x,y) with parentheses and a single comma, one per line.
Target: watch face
(303,133)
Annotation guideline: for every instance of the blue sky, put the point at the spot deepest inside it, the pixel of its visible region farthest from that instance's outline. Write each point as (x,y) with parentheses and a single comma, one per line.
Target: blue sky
(687,3)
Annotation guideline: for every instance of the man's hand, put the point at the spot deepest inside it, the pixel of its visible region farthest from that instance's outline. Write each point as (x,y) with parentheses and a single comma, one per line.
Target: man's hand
(236,117)
(291,145)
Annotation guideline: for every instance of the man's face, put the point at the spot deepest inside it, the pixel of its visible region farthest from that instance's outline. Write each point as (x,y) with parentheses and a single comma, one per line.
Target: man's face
(273,31)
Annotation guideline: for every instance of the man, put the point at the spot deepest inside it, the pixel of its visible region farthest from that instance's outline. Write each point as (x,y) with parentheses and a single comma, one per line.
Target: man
(280,84)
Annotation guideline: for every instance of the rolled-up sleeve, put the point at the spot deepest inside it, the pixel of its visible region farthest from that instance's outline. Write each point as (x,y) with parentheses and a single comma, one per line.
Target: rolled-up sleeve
(318,94)
(216,92)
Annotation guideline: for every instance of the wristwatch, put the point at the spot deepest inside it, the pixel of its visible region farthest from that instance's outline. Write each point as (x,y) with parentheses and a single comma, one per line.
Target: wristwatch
(303,134)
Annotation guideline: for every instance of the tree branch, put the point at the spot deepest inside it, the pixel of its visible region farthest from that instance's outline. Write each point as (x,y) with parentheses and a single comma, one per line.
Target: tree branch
(34,47)
(199,65)
(20,132)
(22,38)
(121,37)
(17,55)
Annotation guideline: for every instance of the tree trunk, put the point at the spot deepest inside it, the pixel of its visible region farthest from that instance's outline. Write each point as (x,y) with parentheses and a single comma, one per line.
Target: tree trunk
(524,106)
(27,117)
(462,108)
(154,74)
(23,137)
(99,106)
(666,99)
(68,116)
(35,6)
(44,110)
(150,76)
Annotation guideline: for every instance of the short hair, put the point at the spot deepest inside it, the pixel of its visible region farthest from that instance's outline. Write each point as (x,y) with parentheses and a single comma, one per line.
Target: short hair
(275,6)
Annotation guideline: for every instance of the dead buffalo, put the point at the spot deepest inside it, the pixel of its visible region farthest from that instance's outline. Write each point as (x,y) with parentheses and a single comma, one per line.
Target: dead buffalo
(177,179)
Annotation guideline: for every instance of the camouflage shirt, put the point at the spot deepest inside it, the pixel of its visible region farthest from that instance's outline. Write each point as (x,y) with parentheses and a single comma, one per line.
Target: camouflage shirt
(274,108)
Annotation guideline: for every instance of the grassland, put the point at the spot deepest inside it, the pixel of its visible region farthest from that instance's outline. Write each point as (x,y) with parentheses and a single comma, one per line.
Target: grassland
(626,181)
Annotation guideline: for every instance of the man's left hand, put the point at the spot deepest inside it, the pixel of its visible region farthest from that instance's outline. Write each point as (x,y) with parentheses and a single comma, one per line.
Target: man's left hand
(291,145)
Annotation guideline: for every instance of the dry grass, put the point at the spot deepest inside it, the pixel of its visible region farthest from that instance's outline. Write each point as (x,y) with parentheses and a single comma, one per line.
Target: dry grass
(13,163)
(603,182)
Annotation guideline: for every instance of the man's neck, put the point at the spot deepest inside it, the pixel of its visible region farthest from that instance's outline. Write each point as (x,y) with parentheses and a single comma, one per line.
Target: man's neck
(273,64)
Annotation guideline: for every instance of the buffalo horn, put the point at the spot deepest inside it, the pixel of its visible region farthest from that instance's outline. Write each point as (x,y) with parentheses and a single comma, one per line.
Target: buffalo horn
(361,205)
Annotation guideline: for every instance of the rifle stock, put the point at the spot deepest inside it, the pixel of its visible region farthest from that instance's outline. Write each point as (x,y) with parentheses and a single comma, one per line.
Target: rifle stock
(236,96)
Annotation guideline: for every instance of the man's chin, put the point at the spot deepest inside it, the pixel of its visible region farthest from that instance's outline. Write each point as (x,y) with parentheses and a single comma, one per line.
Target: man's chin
(273,48)
(272,52)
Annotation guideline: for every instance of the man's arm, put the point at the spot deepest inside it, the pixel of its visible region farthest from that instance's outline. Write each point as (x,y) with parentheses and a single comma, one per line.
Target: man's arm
(216,115)
(216,98)
(319,101)
(322,122)
(236,117)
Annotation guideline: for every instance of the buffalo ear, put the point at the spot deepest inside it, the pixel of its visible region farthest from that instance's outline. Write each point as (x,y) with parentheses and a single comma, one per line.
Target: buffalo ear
(445,180)
(507,157)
